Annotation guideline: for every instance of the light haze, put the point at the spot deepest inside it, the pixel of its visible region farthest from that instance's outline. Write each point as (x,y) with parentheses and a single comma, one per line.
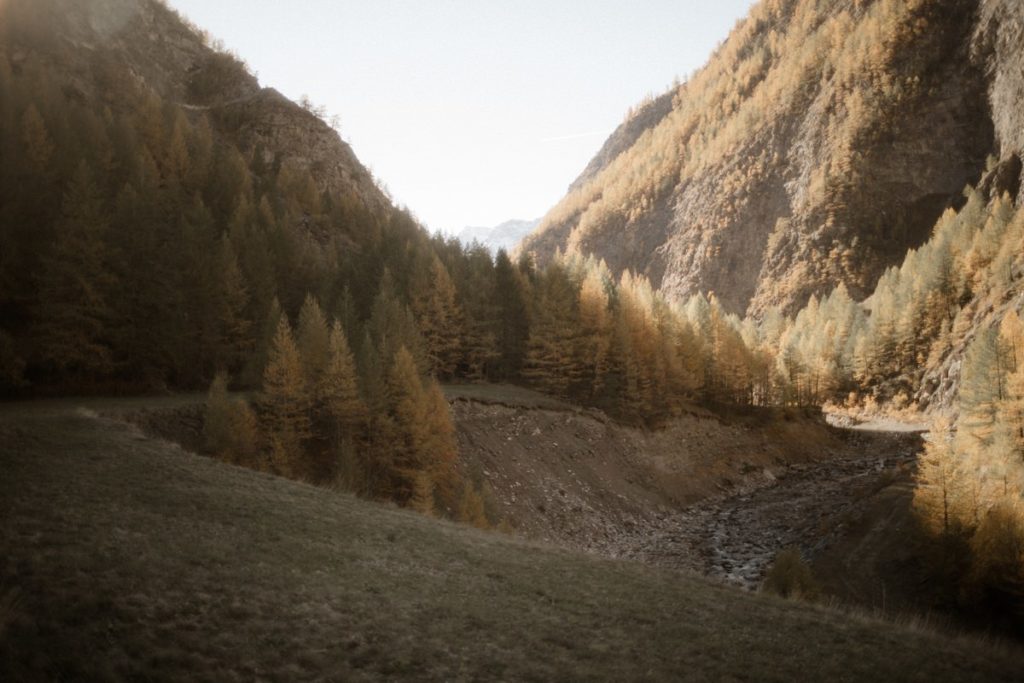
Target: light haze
(471,112)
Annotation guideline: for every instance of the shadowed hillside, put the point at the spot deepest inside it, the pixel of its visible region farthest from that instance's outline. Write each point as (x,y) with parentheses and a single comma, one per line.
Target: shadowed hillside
(125,557)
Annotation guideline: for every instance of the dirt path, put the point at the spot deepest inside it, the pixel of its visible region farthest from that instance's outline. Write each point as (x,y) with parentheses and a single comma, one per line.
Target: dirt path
(734,537)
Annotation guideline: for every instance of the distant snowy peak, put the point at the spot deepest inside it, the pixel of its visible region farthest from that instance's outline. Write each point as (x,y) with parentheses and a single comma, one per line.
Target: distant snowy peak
(504,236)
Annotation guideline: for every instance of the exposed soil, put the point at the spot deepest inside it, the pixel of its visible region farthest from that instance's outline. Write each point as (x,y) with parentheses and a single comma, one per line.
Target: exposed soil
(716,495)
(713,494)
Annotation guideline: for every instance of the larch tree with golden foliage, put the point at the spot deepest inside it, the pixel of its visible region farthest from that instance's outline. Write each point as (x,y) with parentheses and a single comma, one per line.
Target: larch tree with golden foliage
(438,317)
(313,339)
(285,403)
(340,407)
(408,410)
(594,342)
(423,447)
(940,496)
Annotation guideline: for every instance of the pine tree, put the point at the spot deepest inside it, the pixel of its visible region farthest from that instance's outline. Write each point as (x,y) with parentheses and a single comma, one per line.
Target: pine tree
(479,315)
(513,318)
(338,387)
(233,298)
(438,445)
(982,387)
(313,339)
(72,313)
(595,333)
(372,379)
(438,317)
(392,326)
(408,409)
(257,363)
(996,572)
(422,436)
(550,358)
(1011,408)
(285,403)
(940,496)
(422,499)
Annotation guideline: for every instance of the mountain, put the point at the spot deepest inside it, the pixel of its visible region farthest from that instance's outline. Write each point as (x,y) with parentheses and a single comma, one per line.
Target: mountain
(503,236)
(820,142)
(160,208)
(91,45)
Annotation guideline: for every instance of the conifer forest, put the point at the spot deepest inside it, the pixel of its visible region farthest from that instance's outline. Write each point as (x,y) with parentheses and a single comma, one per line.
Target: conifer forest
(172,230)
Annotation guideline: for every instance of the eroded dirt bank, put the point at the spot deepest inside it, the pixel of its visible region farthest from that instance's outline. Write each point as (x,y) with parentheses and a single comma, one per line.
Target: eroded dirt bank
(720,496)
(712,494)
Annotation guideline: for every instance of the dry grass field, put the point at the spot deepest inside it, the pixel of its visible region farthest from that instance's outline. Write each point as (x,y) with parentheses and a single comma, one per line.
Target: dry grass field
(125,557)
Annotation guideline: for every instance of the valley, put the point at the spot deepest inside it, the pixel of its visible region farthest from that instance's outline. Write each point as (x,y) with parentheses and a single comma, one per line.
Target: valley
(126,556)
(747,403)
(713,495)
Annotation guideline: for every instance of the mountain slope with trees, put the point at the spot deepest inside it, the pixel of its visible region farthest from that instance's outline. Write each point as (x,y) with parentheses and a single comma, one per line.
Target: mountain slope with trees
(819,143)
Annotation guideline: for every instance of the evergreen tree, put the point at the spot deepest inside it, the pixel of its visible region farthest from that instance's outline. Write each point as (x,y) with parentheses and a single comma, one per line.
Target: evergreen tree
(550,358)
(982,387)
(285,403)
(513,320)
(940,495)
(422,499)
(423,446)
(438,317)
(74,286)
(253,372)
(313,339)
(233,297)
(595,333)
(392,326)
(338,386)
(408,409)
(1011,408)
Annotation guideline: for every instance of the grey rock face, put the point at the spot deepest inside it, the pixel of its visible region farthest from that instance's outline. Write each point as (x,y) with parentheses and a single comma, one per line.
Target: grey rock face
(758,225)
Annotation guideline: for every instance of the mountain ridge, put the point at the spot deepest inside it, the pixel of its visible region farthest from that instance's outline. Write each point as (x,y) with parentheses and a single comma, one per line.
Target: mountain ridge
(505,235)
(815,147)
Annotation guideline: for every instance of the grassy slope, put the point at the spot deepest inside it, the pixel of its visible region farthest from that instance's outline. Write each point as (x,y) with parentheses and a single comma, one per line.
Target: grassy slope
(129,557)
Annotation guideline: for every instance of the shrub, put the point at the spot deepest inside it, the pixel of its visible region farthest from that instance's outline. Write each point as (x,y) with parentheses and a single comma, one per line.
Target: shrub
(790,577)
(996,573)
(230,428)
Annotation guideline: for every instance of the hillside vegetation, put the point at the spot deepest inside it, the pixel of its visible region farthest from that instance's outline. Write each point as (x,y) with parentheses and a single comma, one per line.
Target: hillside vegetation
(817,145)
(125,557)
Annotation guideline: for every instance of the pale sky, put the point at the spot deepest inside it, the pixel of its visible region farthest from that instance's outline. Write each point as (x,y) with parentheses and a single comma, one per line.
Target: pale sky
(471,112)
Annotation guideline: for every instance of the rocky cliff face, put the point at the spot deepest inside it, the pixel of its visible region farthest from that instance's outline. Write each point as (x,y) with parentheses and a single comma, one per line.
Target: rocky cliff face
(175,61)
(997,47)
(820,142)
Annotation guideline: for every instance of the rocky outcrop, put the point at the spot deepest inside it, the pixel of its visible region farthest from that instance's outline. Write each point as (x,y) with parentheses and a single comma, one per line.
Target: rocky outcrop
(163,53)
(997,46)
(820,142)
